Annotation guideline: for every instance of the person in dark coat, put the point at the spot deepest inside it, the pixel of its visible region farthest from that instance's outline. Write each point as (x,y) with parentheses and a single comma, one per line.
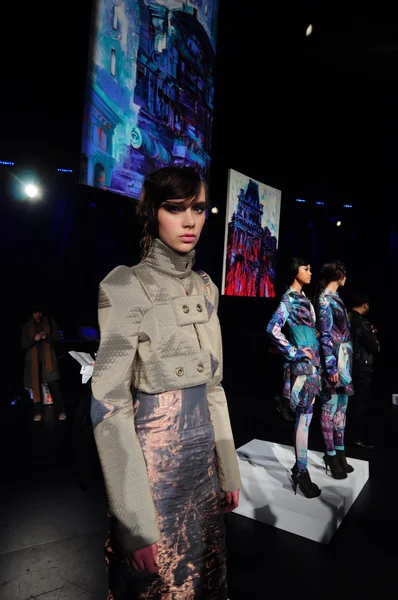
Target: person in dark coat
(39,335)
(365,348)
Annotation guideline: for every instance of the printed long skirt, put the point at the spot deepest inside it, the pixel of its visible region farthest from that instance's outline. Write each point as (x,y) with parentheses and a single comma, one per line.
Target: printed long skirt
(177,440)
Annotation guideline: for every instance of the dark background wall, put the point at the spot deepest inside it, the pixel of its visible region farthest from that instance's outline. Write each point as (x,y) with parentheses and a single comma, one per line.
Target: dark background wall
(315,117)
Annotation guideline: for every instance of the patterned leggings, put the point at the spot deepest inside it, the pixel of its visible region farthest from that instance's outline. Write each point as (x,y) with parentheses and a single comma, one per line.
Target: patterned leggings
(302,399)
(333,422)
(303,422)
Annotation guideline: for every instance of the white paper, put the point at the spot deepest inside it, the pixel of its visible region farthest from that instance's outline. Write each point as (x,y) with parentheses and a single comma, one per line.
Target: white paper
(87,364)
(86,371)
(82,357)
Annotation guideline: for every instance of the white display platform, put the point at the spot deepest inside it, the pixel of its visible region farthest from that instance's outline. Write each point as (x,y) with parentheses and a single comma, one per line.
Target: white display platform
(267,494)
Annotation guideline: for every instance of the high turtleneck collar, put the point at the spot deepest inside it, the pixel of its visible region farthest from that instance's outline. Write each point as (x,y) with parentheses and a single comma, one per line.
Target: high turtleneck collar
(168,261)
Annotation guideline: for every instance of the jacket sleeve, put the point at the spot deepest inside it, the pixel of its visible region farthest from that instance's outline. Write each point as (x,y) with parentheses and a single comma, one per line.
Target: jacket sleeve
(122,305)
(325,317)
(274,330)
(228,468)
(365,336)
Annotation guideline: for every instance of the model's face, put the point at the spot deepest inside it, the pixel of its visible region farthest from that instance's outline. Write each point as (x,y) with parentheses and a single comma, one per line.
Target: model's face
(342,281)
(37,316)
(180,224)
(365,308)
(304,275)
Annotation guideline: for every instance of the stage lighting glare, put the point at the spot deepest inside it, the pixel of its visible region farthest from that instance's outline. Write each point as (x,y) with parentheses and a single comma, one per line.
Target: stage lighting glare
(214,210)
(338,224)
(308,31)
(31,190)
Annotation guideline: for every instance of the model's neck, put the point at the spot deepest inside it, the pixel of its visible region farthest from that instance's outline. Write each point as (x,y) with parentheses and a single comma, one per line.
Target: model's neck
(297,286)
(333,286)
(166,260)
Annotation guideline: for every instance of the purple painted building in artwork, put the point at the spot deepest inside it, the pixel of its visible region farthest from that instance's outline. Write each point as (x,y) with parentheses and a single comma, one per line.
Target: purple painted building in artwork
(150,95)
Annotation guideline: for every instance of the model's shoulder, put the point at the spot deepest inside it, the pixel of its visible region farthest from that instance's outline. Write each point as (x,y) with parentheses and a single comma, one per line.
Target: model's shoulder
(288,298)
(285,298)
(325,304)
(121,275)
(324,298)
(122,286)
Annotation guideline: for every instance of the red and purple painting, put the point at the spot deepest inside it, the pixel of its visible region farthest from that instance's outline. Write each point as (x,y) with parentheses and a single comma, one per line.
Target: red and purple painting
(251,237)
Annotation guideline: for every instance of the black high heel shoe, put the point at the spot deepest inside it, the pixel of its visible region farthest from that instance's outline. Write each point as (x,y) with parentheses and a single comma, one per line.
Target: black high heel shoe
(343,462)
(302,479)
(333,463)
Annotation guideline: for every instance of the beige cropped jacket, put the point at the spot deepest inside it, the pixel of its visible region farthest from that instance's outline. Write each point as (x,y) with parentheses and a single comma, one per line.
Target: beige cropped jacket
(159,332)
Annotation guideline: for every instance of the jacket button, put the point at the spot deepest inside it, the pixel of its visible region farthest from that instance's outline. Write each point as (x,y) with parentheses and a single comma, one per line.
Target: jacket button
(185,309)
(179,372)
(199,307)
(200,368)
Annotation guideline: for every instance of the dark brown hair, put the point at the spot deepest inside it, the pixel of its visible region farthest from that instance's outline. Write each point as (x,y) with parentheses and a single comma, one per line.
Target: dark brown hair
(168,183)
(331,271)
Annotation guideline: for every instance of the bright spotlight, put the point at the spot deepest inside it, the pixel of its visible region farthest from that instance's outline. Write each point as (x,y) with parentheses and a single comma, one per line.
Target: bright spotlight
(31,190)
(338,223)
(308,31)
(214,210)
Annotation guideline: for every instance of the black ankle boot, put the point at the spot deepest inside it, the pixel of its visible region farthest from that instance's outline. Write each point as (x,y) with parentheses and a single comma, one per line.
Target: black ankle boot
(332,463)
(303,480)
(343,462)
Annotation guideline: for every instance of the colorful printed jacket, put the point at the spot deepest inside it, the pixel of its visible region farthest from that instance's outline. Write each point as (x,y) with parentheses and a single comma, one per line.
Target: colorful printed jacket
(335,340)
(296,311)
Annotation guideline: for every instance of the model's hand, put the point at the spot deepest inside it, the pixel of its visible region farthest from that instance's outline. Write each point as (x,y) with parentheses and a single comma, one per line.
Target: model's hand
(37,337)
(334,378)
(144,559)
(231,501)
(308,353)
(43,336)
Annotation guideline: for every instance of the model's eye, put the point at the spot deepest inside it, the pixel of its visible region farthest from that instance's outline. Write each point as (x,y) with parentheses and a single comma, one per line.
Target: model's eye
(173,209)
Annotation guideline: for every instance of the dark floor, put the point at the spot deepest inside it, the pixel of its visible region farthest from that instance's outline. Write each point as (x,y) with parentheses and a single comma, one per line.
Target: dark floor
(53,516)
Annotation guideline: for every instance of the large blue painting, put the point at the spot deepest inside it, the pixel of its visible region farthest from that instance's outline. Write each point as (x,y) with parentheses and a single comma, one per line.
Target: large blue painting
(150,89)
